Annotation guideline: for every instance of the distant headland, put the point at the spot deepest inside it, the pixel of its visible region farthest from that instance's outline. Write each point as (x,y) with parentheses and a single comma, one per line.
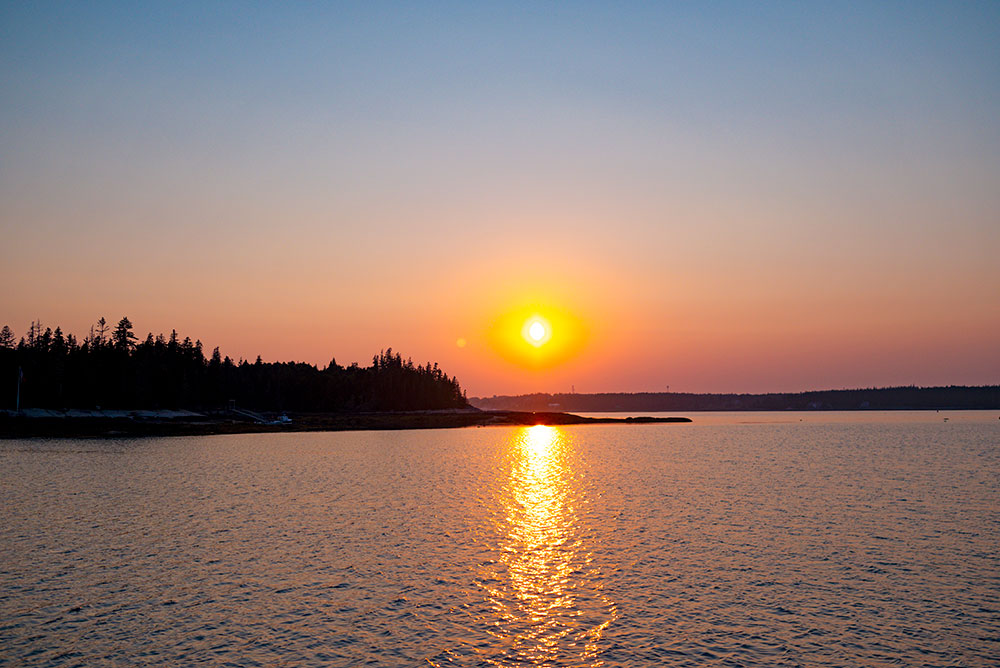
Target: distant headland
(955,397)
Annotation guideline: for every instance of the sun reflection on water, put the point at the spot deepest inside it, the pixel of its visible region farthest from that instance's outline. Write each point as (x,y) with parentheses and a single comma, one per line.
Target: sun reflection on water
(546,594)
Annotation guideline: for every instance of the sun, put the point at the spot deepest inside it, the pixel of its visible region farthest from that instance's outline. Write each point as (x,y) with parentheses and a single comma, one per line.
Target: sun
(537,336)
(537,331)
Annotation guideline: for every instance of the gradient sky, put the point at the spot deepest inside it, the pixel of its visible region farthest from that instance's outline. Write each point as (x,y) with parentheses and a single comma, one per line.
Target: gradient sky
(725,196)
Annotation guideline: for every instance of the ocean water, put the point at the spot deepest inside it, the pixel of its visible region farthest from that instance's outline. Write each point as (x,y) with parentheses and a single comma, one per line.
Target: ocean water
(791,539)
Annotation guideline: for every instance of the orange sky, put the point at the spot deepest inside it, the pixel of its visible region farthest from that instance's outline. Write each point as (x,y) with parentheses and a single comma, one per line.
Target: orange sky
(777,201)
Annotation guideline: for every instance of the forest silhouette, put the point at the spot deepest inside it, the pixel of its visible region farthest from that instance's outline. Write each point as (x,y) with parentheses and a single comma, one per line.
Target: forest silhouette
(111,368)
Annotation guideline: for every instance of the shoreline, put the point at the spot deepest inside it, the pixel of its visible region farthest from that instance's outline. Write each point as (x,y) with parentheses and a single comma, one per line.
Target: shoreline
(118,424)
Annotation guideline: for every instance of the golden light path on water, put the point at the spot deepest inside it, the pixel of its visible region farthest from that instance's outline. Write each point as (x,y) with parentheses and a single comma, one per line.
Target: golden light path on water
(546,595)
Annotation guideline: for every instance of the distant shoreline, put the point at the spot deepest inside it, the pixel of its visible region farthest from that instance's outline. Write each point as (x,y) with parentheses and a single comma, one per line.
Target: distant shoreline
(953,397)
(131,424)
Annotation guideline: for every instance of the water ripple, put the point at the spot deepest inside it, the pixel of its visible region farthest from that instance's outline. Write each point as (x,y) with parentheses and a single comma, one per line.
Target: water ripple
(718,545)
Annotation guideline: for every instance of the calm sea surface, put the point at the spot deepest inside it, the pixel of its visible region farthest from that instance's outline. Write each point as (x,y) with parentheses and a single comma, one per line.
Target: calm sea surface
(743,539)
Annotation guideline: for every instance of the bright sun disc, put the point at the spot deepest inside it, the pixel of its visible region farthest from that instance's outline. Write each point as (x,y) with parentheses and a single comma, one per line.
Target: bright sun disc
(536,331)
(536,336)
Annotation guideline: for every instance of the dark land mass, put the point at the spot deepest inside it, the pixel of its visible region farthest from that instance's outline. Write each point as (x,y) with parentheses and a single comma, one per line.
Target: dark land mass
(113,384)
(102,424)
(112,369)
(954,397)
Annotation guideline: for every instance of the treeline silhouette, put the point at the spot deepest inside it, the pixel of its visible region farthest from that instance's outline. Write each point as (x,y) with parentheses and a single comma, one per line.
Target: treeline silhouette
(883,398)
(111,368)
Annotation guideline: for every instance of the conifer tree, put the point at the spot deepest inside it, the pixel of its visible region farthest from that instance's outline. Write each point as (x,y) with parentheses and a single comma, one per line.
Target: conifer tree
(123,339)
(102,332)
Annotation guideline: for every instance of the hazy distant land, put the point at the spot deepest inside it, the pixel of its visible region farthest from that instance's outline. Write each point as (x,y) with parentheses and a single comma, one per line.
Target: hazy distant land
(885,398)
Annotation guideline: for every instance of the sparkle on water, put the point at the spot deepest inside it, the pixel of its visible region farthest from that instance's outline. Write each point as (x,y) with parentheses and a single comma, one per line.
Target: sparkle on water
(540,603)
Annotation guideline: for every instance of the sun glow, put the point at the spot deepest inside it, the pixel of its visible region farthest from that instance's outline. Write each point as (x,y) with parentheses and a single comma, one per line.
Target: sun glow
(537,336)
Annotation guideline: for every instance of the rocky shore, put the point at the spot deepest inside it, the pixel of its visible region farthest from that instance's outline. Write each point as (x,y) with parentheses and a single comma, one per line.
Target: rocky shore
(102,424)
